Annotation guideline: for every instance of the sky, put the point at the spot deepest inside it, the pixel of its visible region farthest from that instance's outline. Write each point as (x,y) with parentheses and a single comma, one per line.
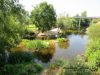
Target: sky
(71,7)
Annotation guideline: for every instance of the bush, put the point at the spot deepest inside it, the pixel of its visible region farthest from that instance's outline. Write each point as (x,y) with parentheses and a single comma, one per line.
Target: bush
(20,57)
(29,35)
(93,49)
(31,28)
(76,67)
(94,60)
(21,69)
(58,63)
(2,59)
(94,31)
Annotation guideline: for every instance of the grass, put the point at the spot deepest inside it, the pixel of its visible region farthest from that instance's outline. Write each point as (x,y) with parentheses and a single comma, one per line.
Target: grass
(33,45)
(59,40)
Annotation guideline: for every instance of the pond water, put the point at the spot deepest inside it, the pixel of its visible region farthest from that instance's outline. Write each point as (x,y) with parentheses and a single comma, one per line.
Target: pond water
(67,50)
(77,45)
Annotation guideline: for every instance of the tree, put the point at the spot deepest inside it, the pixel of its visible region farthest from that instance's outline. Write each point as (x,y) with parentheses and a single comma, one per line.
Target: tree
(11,24)
(66,23)
(92,52)
(60,22)
(84,21)
(44,16)
(95,20)
(84,14)
(94,31)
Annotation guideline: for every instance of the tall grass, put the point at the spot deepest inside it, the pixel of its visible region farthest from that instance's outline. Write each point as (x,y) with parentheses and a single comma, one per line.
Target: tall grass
(37,44)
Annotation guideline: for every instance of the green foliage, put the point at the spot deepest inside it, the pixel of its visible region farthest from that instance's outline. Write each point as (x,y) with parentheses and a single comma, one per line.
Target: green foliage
(93,49)
(44,16)
(31,28)
(30,32)
(11,29)
(95,21)
(62,40)
(73,23)
(66,23)
(21,69)
(20,57)
(94,31)
(36,44)
(94,60)
(75,67)
(58,63)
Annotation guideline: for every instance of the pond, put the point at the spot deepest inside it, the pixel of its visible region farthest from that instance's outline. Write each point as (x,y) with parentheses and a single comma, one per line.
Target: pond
(66,50)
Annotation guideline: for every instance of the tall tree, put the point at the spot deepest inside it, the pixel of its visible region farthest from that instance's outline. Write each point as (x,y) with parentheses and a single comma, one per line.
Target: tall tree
(66,23)
(44,16)
(84,21)
(11,21)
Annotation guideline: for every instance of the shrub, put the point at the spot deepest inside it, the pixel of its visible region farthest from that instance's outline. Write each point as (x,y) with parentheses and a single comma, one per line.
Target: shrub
(58,63)
(31,28)
(94,60)
(21,69)
(75,67)
(94,31)
(93,49)
(20,57)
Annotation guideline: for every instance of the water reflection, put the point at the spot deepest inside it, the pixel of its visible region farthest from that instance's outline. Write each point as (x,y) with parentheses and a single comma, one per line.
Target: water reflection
(45,55)
(67,50)
(77,45)
(63,45)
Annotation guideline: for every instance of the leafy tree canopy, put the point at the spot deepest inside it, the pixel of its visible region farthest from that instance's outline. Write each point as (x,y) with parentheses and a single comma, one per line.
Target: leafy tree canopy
(44,16)
(12,17)
(66,23)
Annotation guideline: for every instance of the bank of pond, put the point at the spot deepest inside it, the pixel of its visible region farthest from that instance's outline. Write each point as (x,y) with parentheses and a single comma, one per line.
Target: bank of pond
(61,56)
(67,48)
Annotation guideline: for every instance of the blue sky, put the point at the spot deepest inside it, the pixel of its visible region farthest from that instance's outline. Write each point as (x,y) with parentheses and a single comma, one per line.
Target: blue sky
(71,7)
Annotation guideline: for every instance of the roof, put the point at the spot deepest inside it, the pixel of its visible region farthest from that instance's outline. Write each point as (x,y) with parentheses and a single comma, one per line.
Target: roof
(55,30)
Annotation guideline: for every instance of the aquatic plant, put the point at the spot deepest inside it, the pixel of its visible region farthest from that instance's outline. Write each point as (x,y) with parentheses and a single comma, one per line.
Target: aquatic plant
(35,44)
(62,40)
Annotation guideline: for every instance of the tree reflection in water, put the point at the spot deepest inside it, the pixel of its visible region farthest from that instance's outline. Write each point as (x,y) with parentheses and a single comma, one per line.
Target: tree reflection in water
(46,54)
(43,57)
